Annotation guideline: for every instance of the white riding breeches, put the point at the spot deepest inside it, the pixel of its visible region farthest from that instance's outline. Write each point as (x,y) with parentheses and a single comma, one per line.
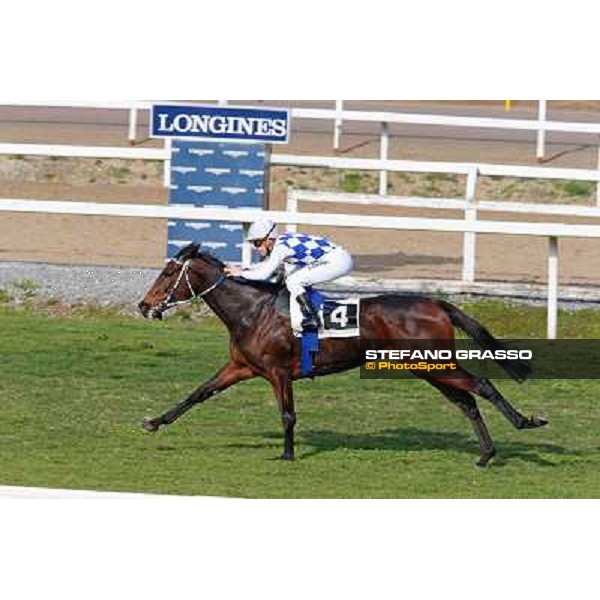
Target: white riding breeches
(334,264)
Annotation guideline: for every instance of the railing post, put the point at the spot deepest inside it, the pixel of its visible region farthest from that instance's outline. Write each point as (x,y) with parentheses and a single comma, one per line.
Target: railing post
(383,155)
(246,247)
(552,287)
(598,181)
(337,128)
(132,124)
(541,134)
(468,272)
(292,206)
(167,164)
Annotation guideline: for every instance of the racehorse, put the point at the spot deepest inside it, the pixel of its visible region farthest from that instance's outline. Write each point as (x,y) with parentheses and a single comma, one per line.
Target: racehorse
(262,343)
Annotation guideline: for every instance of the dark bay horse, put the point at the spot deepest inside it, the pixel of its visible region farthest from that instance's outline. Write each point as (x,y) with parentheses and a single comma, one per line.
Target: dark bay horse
(262,343)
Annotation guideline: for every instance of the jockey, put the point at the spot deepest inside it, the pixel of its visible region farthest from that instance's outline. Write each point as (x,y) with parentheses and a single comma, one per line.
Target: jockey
(307,260)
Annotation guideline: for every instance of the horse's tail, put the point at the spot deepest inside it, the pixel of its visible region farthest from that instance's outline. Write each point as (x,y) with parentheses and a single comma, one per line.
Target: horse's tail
(516,368)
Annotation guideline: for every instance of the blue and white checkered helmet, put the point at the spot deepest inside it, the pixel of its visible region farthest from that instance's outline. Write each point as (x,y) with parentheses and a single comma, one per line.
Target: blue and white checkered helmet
(262,229)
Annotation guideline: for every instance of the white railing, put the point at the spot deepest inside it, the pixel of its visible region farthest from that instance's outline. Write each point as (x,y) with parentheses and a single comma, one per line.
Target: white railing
(414,166)
(552,231)
(472,170)
(468,205)
(540,126)
(162,154)
(85,151)
(130,105)
(338,115)
(329,162)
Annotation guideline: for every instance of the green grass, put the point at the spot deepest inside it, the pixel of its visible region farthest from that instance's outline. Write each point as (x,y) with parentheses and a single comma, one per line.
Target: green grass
(577,189)
(75,389)
(352,182)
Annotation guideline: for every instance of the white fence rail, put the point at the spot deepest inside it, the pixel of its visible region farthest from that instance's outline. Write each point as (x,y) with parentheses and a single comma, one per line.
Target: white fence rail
(471,170)
(338,115)
(540,125)
(85,151)
(162,154)
(130,105)
(329,162)
(552,231)
(414,166)
(469,226)
(468,205)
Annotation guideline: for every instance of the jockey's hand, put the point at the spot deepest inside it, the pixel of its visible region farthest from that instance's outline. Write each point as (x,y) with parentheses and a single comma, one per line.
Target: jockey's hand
(232,271)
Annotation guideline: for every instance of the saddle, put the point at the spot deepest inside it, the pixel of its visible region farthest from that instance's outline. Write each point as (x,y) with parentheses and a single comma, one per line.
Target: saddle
(339,316)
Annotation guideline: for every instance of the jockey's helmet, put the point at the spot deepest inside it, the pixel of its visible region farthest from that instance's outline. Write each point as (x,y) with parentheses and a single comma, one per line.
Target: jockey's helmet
(262,229)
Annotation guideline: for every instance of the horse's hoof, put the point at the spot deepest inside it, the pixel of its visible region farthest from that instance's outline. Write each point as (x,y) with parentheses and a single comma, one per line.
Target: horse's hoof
(485,459)
(536,421)
(285,456)
(149,425)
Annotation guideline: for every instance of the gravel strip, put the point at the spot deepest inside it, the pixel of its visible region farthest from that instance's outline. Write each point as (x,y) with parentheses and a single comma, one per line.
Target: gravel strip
(124,286)
(74,283)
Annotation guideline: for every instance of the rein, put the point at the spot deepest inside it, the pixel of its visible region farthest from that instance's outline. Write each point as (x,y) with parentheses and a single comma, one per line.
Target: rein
(184,272)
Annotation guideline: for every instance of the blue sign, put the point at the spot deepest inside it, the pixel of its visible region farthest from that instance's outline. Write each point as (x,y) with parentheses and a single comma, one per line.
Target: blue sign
(216,174)
(222,123)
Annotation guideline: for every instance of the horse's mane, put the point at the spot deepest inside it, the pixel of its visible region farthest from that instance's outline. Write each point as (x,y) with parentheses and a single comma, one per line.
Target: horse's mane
(194,251)
(265,286)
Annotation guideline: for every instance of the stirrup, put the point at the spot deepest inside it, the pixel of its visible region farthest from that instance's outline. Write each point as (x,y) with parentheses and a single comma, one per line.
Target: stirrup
(310,316)
(311,321)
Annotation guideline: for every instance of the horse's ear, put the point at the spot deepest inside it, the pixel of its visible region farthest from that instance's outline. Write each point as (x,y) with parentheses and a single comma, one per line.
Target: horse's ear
(190,251)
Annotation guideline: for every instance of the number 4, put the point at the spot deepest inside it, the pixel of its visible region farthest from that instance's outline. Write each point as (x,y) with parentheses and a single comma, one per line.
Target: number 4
(339,316)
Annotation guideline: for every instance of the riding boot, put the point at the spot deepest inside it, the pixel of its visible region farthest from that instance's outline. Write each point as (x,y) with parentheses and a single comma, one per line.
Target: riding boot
(309,312)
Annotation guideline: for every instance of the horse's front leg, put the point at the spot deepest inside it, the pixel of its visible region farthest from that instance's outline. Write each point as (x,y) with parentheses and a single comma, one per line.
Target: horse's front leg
(231,373)
(284,392)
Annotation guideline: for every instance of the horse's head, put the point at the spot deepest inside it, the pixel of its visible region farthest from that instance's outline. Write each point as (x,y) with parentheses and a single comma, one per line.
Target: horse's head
(190,274)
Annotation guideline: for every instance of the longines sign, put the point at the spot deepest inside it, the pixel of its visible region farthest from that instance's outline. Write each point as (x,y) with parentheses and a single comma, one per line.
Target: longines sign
(220,123)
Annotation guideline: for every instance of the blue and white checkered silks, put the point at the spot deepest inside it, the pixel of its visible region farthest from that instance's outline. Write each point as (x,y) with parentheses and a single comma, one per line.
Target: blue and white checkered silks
(224,175)
(307,248)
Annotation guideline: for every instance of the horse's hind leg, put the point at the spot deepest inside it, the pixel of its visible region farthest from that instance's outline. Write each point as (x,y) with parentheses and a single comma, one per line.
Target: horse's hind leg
(468,406)
(231,373)
(486,389)
(284,392)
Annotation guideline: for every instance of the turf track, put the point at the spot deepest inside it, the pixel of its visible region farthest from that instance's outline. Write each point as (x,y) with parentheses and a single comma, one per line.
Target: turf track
(76,388)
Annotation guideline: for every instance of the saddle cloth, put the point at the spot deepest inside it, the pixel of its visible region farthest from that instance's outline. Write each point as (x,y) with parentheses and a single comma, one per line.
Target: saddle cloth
(339,316)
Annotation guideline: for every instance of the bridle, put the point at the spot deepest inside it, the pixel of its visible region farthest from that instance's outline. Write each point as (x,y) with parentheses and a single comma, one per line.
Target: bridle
(169,302)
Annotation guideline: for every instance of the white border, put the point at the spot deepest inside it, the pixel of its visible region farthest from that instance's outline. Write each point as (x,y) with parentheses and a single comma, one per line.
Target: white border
(301,549)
